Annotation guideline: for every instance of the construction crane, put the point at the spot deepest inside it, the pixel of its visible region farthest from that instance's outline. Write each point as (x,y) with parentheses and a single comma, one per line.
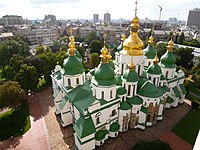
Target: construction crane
(160,12)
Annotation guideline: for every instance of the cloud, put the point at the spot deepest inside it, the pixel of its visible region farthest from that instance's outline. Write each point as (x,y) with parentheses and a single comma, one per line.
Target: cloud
(53,1)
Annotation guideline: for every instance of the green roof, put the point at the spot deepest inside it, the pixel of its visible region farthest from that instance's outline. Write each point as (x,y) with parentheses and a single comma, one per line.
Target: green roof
(130,76)
(119,79)
(58,75)
(144,110)
(150,52)
(114,127)
(168,60)
(121,90)
(63,102)
(120,47)
(125,106)
(154,69)
(72,66)
(141,82)
(135,100)
(177,92)
(169,100)
(104,75)
(56,92)
(162,77)
(81,96)
(112,65)
(184,91)
(77,54)
(165,88)
(149,90)
(100,134)
(84,126)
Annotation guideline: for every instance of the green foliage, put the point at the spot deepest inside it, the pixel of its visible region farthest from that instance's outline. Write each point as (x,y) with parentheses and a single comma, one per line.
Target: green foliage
(11,94)
(42,49)
(81,51)
(96,46)
(92,36)
(181,38)
(154,145)
(27,77)
(15,122)
(196,72)
(183,54)
(189,126)
(16,61)
(94,60)
(161,48)
(60,56)
(42,84)
(63,48)
(35,61)
(193,43)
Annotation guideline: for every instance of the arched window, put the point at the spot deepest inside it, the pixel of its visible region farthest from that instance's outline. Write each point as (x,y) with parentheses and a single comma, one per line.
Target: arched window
(114,112)
(149,63)
(139,69)
(134,90)
(77,80)
(154,81)
(123,98)
(129,90)
(111,94)
(69,82)
(122,69)
(102,93)
(167,73)
(97,120)
(148,117)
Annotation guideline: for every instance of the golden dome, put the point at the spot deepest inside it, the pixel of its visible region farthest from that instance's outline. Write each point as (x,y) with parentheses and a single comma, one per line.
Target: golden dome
(123,38)
(71,44)
(170,45)
(151,40)
(133,44)
(156,59)
(105,55)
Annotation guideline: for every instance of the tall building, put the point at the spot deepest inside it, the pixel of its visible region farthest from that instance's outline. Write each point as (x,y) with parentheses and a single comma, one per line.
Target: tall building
(49,20)
(13,20)
(107,18)
(131,92)
(95,18)
(194,18)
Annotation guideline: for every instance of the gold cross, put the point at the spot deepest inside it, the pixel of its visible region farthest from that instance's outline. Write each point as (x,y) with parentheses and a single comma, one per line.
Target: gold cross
(70,30)
(136,6)
(104,35)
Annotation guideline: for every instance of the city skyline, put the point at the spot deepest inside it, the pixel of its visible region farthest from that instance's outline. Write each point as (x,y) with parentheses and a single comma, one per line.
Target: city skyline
(84,9)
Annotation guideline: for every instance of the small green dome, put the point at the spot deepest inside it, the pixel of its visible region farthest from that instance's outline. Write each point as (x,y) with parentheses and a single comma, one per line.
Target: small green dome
(168,60)
(77,54)
(135,100)
(150,52)
(154,69)
(121,90)
(120,47)
(72,66)
(125,106)
(130,76)
(104,75)
(150,90)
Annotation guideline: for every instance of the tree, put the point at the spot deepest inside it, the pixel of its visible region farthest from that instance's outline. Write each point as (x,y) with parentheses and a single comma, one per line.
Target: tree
(161,48)
(16,61)
(42,49)
(60,56)
(27,77)
(11,94)
(92,36)
(196,72)
(181,38)
(81,51)
(96,46)
(182,54)
(94,59)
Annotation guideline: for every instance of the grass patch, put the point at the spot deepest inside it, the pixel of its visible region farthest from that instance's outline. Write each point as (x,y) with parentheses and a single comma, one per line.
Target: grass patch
(189,126)
(15,122)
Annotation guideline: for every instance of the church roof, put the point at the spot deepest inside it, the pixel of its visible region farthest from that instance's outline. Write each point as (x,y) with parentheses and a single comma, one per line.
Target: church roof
(154,69)
(135,100)
(125,106)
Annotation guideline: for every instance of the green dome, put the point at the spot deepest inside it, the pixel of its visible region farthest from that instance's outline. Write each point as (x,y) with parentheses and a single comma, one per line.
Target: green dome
(154,69)
(130,76)
(77,54)
(150,52)
(120,47)
(111,63)
(104,75)
(168,60)
(135,100)
(150,90)
(72,66)
(125,106)
(121,90)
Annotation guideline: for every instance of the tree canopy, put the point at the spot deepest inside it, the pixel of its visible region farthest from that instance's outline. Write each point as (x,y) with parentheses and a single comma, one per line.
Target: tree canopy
(96,46)
(94,59)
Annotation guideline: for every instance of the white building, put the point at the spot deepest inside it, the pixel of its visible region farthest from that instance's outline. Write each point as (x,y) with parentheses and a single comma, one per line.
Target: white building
(131,92)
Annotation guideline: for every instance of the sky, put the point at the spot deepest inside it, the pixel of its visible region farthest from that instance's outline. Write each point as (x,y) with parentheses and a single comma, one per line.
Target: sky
(84,9)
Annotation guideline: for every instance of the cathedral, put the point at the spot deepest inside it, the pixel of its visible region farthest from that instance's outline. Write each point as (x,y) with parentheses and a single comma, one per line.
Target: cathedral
(131,92)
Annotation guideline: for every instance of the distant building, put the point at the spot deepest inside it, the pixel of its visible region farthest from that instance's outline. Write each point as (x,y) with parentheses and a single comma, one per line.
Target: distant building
(49,20)
(194,18)
(13,20)
(95,18)
(107,18)
(4,36)
(172,20)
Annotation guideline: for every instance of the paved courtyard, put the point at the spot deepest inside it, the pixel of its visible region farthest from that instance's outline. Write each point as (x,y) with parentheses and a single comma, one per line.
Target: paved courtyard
(46,132)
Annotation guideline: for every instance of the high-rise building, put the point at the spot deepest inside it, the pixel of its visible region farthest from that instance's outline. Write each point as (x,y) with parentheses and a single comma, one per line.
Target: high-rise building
(95,18)
(13,20)
(107,18)
(193,18)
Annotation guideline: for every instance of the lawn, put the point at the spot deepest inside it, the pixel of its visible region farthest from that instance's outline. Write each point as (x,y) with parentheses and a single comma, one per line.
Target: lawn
(189,126)
(15,122)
